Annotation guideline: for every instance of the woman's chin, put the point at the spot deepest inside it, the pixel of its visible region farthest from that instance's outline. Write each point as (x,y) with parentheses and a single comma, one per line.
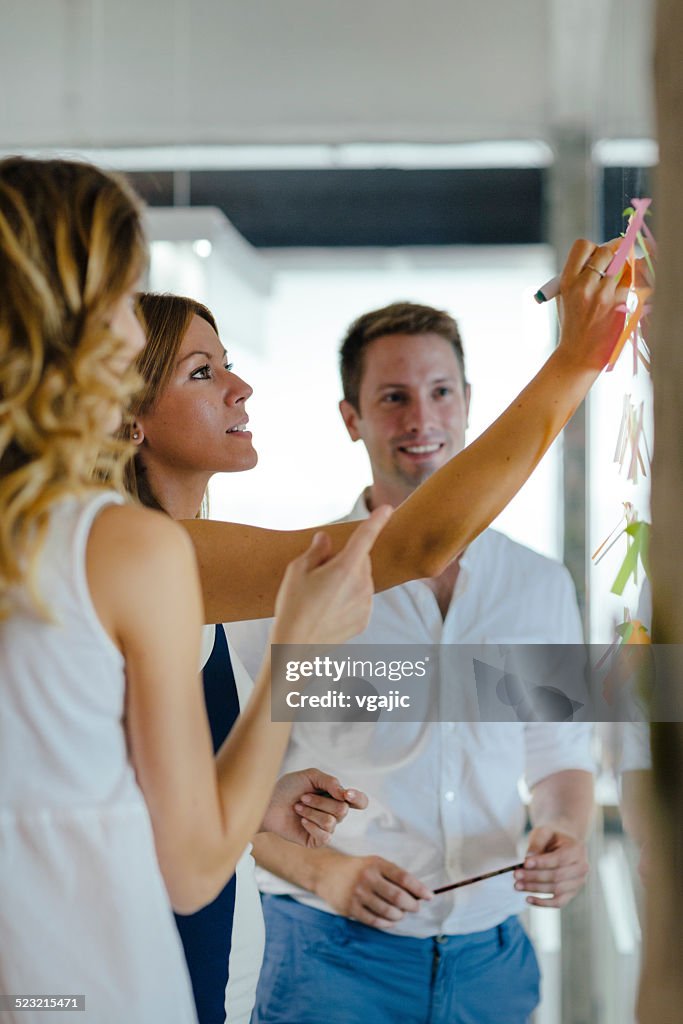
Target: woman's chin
(247,461)
(252,459)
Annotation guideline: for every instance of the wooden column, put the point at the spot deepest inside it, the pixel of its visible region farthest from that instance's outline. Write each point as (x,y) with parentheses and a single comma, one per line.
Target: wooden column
(661,997)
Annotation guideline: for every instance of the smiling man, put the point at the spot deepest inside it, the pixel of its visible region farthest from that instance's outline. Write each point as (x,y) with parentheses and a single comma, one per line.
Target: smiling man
(352,932)
(406,398)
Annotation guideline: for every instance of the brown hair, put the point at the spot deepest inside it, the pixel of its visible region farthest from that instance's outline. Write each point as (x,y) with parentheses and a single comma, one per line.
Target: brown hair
(398,318)
(71,244)
(166,318)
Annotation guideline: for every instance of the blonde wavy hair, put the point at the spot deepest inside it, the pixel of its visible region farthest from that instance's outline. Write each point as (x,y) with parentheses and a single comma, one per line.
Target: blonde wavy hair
(166,318)
(71,245)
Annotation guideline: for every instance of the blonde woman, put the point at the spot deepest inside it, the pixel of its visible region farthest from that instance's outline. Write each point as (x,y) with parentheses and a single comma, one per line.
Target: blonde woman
(110,797)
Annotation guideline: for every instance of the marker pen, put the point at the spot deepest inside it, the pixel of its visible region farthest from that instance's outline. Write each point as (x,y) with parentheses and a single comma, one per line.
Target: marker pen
(549,290)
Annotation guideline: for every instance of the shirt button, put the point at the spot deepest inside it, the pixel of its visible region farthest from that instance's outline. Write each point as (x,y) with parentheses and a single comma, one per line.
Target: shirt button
(449,795)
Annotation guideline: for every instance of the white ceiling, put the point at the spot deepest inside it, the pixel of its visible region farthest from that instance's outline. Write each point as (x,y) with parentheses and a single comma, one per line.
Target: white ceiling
(85,73)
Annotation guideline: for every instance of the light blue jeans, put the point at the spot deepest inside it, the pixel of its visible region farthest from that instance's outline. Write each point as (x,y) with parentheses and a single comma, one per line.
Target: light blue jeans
(324,969)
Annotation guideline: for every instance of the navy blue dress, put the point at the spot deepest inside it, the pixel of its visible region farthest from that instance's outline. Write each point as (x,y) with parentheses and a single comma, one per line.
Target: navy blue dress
(207,935)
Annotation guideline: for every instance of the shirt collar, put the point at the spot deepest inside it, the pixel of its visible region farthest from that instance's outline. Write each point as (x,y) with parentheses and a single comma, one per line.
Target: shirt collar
(360,509)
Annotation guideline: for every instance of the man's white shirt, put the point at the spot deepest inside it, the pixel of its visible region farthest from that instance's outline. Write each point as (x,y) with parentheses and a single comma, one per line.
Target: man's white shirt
(444,796)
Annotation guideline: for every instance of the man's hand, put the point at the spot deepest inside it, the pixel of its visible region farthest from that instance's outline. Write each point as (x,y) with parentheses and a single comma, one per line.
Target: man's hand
(371,890)
(555,863)
(307,806)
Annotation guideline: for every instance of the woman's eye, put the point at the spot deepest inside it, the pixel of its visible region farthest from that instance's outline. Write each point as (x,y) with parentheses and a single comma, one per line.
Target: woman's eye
(201,373)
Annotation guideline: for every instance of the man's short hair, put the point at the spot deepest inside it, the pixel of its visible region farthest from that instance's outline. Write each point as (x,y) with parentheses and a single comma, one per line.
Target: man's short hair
(398,318)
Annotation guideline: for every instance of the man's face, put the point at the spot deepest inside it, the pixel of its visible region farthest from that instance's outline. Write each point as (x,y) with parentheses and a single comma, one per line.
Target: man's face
(412,411)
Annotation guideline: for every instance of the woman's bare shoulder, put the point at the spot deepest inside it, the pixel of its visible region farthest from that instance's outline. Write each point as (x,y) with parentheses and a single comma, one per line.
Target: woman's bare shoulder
(138,541)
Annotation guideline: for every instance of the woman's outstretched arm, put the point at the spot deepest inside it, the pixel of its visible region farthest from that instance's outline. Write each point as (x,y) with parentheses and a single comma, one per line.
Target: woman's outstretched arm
(241,566)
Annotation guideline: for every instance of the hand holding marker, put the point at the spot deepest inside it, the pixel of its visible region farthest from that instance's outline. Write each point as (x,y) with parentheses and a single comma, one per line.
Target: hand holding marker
(551,289)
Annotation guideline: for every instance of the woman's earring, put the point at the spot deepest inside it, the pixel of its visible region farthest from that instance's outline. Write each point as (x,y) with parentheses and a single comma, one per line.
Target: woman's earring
(136,435)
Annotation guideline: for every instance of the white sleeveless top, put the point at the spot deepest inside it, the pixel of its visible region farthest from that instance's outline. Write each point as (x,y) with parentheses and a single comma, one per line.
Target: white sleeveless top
(83,906)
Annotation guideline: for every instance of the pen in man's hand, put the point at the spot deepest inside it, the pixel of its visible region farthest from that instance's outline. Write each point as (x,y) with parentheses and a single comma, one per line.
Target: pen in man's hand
(477,878)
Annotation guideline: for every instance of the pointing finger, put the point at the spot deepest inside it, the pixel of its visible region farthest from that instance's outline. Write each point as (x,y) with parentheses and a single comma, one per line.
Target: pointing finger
(364,536)
(317,552)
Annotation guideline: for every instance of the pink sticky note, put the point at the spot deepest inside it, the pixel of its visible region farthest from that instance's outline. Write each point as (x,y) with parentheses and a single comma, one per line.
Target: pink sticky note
(651,239)
(629,239)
